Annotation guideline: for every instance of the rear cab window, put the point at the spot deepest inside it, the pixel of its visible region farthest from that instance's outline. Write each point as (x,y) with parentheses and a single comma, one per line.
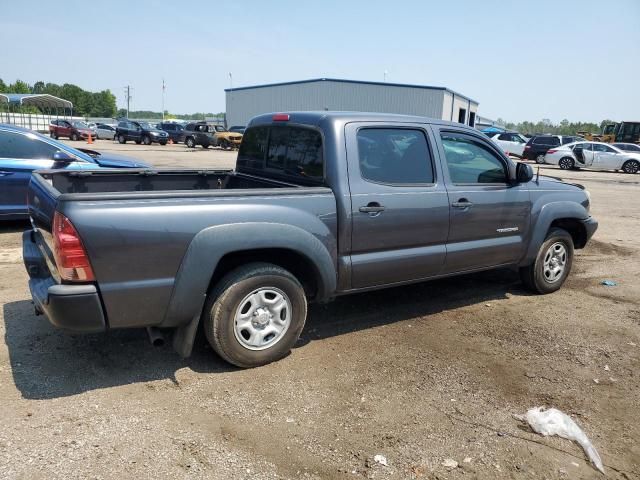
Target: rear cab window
(288,153)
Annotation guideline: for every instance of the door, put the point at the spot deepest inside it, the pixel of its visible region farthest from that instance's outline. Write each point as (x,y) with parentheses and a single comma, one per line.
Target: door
(64,129)
(399,206)
(20,154)
(511,143)
(489,216)
(606,158)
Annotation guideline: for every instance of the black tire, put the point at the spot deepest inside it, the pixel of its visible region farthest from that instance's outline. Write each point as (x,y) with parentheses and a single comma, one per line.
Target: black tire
(205,145)
(231,294)
(162,142)
(567,163)
(535,277)
(146,140)
(224,144)
(52,135)
(190,142)
(74,137)
(138,142)
(540,159)
(631,166)
(122,139)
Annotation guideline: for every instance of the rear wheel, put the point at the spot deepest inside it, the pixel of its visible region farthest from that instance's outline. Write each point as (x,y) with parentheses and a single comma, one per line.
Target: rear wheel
(74,137)
(190,142)
(540,159)
(122,139)
(552,264)
(566,163)
(255,315)
(631,166)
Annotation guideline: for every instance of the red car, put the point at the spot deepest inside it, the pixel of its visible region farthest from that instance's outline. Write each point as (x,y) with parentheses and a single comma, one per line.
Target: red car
(74,129)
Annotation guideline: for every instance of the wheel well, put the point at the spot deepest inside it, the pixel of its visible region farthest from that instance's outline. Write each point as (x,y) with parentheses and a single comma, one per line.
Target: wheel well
(575,228)
(299,265)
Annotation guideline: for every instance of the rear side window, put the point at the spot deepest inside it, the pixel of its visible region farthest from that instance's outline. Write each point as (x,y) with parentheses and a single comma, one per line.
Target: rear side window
(394,156)
(289,153)
(24,147)
(553,141)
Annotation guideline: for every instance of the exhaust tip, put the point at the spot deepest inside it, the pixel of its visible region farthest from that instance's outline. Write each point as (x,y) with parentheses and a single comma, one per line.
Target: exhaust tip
(156,338)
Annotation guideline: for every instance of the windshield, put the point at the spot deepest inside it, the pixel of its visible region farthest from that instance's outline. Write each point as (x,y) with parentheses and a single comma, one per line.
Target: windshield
(219,128)
(608,129)
(80,125)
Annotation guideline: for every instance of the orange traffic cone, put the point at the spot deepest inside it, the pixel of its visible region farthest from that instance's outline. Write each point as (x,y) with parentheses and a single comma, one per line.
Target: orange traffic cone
(89,139)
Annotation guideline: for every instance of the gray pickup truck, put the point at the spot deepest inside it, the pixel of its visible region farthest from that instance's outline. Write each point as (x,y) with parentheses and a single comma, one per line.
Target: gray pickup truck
(320,204)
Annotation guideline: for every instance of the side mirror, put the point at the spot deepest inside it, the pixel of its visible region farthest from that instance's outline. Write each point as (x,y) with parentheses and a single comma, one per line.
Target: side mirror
(63,157)
(524,172)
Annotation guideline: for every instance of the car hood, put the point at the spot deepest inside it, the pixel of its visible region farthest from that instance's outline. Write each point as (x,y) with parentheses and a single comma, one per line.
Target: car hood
(554,183)
(111,160)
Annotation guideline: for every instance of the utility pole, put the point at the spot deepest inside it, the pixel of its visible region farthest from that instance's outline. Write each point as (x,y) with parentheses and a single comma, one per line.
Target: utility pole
(127,90)
(385,75)
(163,89)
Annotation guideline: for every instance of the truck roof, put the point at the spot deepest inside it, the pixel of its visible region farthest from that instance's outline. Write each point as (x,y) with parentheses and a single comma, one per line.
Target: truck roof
(315,117)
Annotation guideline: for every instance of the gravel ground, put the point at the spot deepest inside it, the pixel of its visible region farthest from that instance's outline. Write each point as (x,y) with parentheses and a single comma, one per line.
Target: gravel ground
(427,375)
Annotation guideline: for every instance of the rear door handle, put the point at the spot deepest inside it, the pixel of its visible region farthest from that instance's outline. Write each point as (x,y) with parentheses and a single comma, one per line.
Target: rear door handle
(462,203)
(372,207)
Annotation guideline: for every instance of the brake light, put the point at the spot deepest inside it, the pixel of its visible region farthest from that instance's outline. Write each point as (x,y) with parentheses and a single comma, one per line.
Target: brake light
(280,117)
(71,258)
(552,150)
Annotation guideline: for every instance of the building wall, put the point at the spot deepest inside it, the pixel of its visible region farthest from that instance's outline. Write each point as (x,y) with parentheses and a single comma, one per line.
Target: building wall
(242,105)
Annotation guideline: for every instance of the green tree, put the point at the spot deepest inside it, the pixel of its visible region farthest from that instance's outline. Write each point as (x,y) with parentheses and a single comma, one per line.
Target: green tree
(3,86)
(19,87)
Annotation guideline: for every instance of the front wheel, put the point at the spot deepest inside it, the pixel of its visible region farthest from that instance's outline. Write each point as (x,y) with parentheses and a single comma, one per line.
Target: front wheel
(552,264)
(631,166)
(255,315)
(540,159)
(146,140)
(162,142)
(566,163)
(224,144)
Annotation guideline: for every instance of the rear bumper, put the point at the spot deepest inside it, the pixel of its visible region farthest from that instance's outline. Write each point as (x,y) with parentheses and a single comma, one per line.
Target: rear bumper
(590,227)
(72,307)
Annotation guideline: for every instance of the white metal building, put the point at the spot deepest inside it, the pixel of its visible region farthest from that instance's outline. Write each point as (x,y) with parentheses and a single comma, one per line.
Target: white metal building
(348,95)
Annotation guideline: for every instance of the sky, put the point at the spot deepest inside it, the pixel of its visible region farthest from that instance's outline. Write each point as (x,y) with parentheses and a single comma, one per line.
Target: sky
(521,60)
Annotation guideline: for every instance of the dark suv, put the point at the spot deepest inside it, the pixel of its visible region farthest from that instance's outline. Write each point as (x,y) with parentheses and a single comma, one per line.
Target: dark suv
(199,133)
(537,146)
(140,132)
(174,130)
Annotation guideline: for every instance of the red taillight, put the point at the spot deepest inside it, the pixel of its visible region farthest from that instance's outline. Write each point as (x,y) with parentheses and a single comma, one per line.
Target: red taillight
(552,151)
(280,117)
(71,257)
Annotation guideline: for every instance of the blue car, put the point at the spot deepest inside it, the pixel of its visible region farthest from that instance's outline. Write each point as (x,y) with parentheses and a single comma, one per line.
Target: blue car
(22,151)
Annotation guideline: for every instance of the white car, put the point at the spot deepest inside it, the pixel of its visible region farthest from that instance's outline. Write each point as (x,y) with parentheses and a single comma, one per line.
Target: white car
(593,155)
(105,131)
(510,142)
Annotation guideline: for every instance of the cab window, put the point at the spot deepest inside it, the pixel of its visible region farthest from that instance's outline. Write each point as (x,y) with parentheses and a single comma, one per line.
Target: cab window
(470,161)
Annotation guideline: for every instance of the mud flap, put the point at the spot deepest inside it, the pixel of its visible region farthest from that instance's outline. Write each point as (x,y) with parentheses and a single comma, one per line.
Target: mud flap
(184,337)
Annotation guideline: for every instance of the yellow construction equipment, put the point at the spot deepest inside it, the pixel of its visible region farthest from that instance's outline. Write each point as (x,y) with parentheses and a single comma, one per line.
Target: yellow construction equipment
(621,132)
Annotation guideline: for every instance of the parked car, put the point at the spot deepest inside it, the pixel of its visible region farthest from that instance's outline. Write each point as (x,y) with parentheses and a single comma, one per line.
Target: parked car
(237,129)
(537,146)
(511,142)
(105,131)
(593,155)
(174,130)
(628,147)
(72,129)
(199,133)
(94,128)
(22,151)
(140,132)
(321,204)
(226,139)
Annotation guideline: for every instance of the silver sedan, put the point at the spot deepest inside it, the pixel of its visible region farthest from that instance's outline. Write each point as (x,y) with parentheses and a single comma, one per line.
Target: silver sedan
(105,131)
(593,155)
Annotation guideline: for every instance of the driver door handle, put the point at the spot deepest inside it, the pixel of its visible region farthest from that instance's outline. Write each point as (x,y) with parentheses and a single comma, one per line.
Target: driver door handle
(462,203)
(372,207)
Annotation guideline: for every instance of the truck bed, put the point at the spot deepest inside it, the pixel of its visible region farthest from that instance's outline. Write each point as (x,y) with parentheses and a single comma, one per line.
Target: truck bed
(130,181)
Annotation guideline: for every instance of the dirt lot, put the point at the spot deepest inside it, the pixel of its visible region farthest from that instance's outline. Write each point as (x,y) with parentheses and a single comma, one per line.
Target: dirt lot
(418,374)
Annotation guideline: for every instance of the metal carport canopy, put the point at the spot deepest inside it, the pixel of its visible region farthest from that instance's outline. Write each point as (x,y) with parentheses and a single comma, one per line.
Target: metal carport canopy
(43,100)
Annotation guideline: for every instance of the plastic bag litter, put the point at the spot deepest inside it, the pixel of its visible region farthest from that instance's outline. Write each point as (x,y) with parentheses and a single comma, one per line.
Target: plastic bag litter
(553,422)
(609,283)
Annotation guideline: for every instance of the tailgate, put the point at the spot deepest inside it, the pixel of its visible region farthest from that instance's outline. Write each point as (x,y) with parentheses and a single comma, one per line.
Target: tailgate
(42,199)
